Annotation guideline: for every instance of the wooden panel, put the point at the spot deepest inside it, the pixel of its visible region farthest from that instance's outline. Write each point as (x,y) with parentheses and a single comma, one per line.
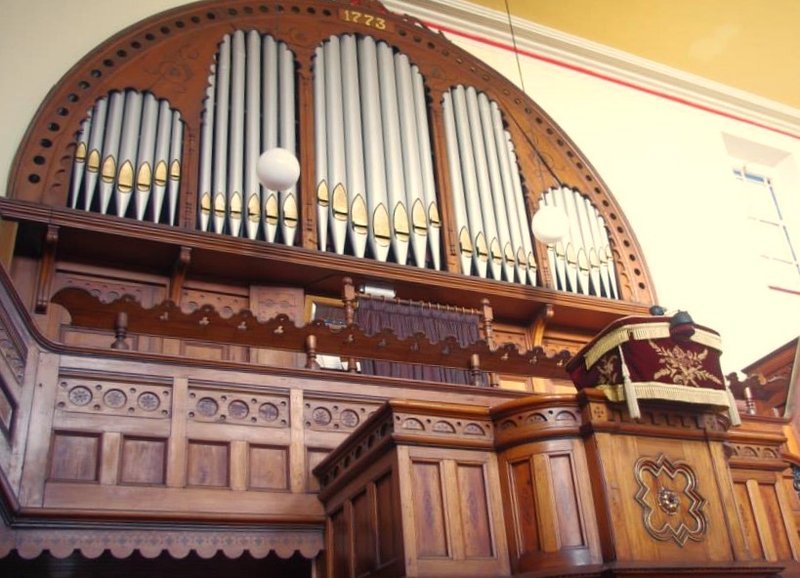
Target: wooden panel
(474,511)
(525,528)
(313,457)
(386,521)
(143,461)
(772,509)
(341,544)
(207,464)
(429,513)
(74,457)
(205,351)
(565,494)
(363,535)
(269,468)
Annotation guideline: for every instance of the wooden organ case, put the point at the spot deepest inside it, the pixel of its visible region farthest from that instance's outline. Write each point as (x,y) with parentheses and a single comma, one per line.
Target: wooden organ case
(161,391)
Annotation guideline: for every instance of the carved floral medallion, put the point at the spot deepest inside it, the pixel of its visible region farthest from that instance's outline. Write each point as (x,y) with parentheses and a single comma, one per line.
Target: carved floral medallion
(672,506)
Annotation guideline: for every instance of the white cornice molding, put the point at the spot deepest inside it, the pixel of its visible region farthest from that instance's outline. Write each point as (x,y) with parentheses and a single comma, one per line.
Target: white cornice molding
(604,61)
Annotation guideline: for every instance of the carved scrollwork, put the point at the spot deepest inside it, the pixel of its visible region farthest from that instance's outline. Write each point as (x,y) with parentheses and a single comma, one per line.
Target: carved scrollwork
(672,506)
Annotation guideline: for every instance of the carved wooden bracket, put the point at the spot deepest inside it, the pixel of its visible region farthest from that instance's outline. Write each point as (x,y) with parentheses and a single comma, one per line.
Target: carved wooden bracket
(179,270)
(47,269)
(540,324)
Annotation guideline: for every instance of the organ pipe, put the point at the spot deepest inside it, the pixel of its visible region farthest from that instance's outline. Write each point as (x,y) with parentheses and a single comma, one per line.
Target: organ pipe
(134,134)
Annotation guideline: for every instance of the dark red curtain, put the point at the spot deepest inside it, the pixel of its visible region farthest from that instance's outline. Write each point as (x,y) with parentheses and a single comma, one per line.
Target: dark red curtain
(374,315)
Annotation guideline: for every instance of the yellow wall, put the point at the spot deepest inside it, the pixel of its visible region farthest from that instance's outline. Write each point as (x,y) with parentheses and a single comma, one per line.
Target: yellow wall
(752,45)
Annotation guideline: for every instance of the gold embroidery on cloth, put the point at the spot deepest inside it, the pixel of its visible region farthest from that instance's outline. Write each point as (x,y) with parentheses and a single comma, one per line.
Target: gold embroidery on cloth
(681,366)
(606,373)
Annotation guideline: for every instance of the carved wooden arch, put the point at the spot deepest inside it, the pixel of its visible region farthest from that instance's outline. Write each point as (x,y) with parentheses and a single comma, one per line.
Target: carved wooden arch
(169,55)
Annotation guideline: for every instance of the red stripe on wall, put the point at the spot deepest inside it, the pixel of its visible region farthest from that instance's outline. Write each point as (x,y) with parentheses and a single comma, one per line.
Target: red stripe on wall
(607,78)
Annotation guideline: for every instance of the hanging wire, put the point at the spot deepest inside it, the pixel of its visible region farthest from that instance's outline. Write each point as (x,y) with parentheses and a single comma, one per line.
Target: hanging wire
(514,45)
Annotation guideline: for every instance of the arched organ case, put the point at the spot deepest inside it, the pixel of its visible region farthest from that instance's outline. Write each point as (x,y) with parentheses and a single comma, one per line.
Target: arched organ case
(412,152)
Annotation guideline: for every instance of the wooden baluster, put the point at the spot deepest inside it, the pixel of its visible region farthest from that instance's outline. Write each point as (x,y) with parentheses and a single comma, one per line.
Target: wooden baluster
(311,352)
(121,332)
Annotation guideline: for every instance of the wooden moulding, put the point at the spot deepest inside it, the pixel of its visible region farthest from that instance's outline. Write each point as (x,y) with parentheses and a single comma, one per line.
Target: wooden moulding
(122,541)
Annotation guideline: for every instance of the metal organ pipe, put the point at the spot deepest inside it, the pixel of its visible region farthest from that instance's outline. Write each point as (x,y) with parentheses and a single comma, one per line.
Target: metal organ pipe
(337,173)
(519,201)
(131,133)
(426,167)
(235,187)
(465,245)
(161,159)
(491,216)
(582,263)
(470,180)
(496,192)
(144,162)
(395,177)
(250,108)
(207,154)
(269,130)
(374,162)
(220,167)
(354,150)
(411,164)
(484,186)
(252,149)
(288,140)
(93,159)
(373,133)
(175,152)
(520,260)
(321,148)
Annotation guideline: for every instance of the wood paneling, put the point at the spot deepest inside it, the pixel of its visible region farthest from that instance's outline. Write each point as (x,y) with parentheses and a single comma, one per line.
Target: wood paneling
(386,517)
(748,519)
(474,514)
(774,519)
(565,493)
(207,464)
(269,468)
(363,527)
(144,461)
(313,458)
(429,514)
(74,457)
(341,553)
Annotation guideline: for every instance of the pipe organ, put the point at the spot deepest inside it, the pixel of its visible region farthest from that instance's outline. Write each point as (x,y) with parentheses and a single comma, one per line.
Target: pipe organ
(375,185)
(249,108)
(582,262)
(490,217)
(127,161)
(160,387)
(374,166)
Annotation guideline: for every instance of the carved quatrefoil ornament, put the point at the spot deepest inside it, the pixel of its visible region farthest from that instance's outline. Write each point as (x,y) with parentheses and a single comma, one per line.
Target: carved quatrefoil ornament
(672,507)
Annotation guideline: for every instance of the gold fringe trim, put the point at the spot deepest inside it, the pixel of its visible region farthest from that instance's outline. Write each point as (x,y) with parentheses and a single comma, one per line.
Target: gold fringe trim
(698,395)
(656,330)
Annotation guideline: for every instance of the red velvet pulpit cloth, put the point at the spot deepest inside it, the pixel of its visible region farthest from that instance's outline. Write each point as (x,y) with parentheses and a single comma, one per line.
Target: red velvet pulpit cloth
(654,358)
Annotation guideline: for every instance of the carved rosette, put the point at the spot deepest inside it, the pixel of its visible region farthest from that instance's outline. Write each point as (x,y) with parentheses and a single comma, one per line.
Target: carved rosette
(672,506)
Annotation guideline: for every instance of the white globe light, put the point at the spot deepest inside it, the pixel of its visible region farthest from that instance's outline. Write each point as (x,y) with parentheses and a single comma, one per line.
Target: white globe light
(278,169)
(549,225)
